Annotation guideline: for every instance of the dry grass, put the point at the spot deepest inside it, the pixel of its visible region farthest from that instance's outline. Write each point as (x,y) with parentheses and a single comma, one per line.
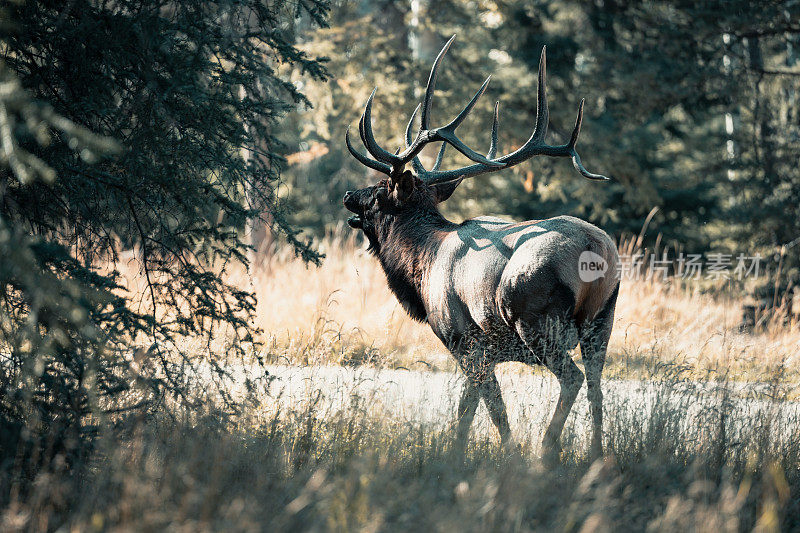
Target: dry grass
(359,468)
(343,312)
(673,463)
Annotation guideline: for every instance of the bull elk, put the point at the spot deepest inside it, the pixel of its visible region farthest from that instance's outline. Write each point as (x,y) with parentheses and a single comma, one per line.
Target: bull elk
(491,290)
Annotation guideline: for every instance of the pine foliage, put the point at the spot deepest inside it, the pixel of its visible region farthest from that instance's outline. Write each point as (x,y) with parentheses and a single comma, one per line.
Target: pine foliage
(133,125)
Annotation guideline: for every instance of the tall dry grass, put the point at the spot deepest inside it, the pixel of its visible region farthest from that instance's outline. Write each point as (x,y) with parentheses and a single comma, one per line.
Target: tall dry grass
(343,312)
(359,468)
(674,462)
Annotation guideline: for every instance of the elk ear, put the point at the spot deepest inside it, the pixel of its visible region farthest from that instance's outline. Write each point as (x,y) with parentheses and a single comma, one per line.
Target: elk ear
(442,191)
(404,186)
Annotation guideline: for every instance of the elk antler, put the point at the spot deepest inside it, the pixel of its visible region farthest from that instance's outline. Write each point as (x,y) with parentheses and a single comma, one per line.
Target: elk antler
(394,164)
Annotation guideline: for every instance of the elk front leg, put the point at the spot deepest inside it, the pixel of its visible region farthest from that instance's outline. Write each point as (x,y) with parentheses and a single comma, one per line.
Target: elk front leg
(470,396)
(490,390)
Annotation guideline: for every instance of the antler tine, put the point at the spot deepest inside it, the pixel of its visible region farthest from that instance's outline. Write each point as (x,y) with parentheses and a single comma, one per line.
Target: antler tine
(576,159)
(411,124)
(573,139)
(415,163)
(493,146)
(456,122)
(369,137)
(431,86)
(439,157)
(364,160)
(576,162)
(542,109)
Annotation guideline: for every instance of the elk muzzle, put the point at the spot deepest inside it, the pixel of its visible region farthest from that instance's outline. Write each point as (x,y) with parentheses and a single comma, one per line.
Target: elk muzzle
(351,203)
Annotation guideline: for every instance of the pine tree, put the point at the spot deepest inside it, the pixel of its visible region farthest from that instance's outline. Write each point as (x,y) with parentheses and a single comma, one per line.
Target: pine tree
(173,94)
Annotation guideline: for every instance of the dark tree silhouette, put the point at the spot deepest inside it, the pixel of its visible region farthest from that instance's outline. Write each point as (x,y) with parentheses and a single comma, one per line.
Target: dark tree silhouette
(190,93)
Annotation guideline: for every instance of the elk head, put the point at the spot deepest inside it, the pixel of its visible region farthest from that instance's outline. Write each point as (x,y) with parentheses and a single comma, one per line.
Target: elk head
(420,191)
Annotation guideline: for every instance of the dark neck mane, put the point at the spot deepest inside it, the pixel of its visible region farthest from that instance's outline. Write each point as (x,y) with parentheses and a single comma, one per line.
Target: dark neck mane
(407,246)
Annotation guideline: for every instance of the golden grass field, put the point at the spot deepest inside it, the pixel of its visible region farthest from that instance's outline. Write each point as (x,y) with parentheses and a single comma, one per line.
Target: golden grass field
(686,459)
(343,312)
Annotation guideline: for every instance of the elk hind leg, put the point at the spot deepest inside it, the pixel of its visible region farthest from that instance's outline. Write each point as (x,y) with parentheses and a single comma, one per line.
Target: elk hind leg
(594,343)
(551,343)
(467,405)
